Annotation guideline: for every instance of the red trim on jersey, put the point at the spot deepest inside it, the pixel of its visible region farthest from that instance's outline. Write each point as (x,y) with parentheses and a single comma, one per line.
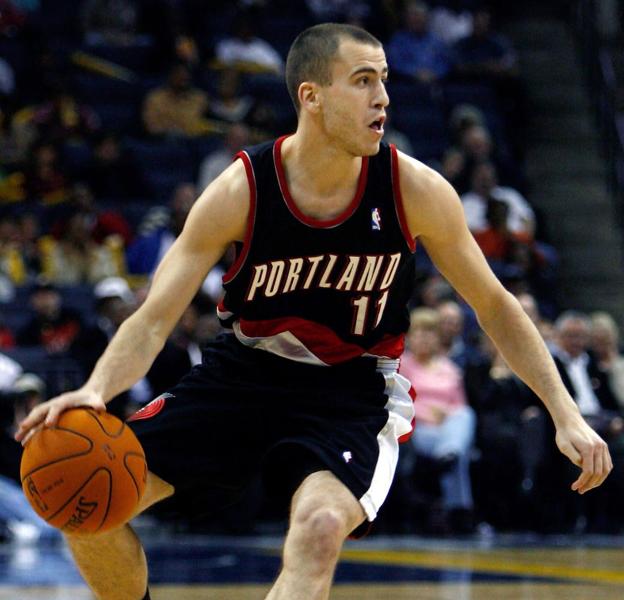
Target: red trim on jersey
(398,199)
(251,218)
(406,436)
(292,206)
(321,340)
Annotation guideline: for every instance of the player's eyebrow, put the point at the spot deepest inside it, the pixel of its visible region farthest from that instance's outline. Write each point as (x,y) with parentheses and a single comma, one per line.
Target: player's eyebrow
(366,69)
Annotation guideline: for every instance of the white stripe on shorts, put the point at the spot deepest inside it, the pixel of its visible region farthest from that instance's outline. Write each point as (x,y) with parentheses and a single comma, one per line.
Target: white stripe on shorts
(400,414)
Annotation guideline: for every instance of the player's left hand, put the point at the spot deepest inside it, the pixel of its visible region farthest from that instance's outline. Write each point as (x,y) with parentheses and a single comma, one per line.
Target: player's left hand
(587,450)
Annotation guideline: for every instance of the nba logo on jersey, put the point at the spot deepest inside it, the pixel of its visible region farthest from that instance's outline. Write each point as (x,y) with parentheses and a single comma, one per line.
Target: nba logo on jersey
(375,220)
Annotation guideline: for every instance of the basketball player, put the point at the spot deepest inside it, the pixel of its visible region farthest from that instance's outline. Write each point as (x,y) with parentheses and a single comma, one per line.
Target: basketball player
(325,223)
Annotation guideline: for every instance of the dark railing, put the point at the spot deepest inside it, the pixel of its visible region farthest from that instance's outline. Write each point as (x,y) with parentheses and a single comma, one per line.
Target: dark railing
(601,79)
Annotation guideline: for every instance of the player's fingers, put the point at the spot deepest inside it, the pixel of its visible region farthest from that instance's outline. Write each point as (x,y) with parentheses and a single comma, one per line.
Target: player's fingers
(587,464)
(599,475)
(34,418)
(30,434)
(53,414)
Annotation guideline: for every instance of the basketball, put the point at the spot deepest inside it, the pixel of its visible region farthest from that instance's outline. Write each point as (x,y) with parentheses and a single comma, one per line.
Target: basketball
(86,474)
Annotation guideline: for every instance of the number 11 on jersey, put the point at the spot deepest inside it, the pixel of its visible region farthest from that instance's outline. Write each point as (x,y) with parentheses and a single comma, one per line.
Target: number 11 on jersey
(360,312)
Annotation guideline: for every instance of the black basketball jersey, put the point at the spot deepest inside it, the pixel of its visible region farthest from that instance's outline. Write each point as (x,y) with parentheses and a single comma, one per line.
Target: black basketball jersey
(321,292)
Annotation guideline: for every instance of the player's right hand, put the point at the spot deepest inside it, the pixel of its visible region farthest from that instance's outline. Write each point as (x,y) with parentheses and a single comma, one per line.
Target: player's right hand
(47,413)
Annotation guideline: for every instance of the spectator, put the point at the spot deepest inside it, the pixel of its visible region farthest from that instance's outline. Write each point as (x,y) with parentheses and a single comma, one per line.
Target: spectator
(147,251)
(52,325)
(451,21)
(452,341)
(582,376)
(415,52)
(445,424)
(513,434)
(45,181)
(229,105)
(22,523)
(76,257)
(177,108)
(106,223)
(112,173)
(217,161)
(531,308)
(244,50)
(110,22)
(605,344)
(477,146)
(484,185)
(12,262)
(63,118)
(484,53)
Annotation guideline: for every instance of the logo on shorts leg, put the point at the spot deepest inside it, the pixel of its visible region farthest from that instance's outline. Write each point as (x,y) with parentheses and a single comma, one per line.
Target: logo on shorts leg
(348,457)
(151,409)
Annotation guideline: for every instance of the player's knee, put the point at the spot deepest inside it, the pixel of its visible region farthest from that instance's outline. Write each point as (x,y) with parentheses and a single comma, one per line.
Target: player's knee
(321,533)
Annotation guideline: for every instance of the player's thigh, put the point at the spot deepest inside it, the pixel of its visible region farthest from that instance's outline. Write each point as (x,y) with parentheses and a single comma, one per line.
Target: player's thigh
(156,489)
(323,491)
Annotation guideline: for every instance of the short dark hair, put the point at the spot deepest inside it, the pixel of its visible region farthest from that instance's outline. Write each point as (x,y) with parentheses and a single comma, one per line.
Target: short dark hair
(310,55)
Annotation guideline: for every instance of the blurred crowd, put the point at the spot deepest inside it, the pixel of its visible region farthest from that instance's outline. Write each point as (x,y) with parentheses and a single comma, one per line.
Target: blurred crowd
(115,115)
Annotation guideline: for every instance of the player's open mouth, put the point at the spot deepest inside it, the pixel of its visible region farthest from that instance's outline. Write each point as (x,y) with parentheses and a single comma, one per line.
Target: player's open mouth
(378,125)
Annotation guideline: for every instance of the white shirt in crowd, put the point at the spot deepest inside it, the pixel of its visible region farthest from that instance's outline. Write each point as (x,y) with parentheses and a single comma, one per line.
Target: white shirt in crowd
(576,369)
(521,217)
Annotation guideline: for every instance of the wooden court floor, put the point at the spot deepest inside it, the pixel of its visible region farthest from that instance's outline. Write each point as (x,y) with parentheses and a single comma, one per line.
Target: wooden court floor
(388,569)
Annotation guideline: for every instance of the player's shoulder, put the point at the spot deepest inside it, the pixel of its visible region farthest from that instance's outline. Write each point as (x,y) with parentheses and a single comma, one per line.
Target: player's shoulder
(419,180)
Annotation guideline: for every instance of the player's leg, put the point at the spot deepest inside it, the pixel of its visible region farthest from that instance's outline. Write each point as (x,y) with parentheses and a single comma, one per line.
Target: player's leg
(113,563)
(323,513)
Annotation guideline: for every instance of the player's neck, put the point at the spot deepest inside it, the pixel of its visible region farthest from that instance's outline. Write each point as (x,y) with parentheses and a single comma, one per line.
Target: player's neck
(325,169)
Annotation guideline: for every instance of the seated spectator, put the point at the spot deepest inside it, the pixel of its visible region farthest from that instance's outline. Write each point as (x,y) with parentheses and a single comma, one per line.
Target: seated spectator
(590,387)
(484,53)
(415,52)
(452,342)
(52,325)
(582,376)
(484,185)
(477,146)
(148,249)
(110,22)
(445,424)
(21,521)
(112,173)
(44,180)
(605,344)
(63,118)
(216,162)
(513,476)
(177,108)
(12,263)
(229,104)
(451,21)
(76,257)
(245,51)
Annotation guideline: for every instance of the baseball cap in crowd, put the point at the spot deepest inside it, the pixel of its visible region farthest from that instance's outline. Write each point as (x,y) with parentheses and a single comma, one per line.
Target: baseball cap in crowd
(113,287)
(29,383)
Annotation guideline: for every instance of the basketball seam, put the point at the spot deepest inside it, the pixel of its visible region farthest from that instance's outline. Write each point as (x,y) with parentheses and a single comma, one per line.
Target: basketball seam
(58,460)
(136,485)
(116,435)
(81,488)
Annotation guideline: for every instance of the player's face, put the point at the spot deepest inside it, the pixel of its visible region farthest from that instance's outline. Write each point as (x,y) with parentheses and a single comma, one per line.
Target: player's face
(353,105)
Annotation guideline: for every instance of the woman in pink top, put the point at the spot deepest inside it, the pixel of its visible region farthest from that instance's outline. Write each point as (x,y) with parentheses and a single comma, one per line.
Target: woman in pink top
(445,424)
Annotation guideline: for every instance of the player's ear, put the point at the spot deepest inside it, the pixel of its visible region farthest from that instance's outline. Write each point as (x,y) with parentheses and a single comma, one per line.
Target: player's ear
(309,96)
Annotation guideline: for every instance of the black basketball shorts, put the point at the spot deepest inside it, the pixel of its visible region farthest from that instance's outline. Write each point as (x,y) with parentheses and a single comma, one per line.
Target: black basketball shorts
(244,410)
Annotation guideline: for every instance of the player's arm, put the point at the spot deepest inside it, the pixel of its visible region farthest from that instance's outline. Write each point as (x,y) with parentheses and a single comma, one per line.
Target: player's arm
(435,215)
(218,218)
